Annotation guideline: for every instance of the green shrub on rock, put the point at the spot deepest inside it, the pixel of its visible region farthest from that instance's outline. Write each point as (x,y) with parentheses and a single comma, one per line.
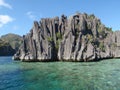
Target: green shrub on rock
(101,46)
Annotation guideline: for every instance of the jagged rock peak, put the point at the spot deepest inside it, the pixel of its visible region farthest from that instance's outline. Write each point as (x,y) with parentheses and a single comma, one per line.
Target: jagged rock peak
(79,37)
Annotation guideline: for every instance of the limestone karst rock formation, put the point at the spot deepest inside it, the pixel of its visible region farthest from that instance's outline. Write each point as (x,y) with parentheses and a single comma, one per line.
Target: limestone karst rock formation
(80,37)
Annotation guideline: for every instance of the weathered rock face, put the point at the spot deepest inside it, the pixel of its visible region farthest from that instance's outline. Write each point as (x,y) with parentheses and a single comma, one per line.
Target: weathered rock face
(80,37)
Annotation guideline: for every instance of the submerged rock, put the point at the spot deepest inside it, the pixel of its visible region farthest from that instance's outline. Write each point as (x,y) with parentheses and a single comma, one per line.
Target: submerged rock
(80,37)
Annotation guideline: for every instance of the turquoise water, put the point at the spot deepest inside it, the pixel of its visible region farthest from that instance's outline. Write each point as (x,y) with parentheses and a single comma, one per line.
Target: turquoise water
(103,75)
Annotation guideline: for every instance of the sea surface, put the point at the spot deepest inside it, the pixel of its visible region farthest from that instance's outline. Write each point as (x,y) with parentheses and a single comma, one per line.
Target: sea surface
(16,75)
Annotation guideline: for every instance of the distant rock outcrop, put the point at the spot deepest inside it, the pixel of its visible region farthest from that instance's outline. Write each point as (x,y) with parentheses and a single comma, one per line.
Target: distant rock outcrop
(6,49)
(13,39)
(9,44)
(80,37)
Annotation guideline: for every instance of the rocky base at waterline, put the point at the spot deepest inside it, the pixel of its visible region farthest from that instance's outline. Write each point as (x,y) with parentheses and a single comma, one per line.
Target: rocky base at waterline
(80,37)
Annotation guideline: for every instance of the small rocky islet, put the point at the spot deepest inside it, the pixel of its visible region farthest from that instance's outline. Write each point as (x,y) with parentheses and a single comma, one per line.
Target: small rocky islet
(79,38)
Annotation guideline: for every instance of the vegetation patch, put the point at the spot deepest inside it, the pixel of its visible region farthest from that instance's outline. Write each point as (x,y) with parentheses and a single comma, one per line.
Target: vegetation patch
(50,39)
(101,46)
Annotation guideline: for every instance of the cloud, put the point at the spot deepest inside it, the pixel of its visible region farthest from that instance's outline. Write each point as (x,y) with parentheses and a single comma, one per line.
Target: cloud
(4,4)
(34,15)
(31,15)
(5,19)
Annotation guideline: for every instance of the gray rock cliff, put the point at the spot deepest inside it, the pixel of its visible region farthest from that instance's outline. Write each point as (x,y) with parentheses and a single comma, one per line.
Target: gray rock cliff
(80,37)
